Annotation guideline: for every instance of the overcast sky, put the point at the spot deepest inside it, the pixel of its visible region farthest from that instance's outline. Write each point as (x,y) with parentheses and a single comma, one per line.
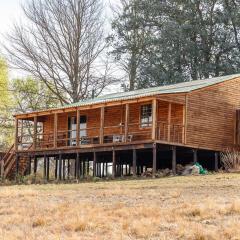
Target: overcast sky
(10,12)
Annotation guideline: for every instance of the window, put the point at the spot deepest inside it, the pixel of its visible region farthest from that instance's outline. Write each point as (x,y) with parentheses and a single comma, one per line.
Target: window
(146,116)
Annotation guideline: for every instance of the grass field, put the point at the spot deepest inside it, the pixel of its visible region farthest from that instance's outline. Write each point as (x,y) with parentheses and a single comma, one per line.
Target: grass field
(194,207)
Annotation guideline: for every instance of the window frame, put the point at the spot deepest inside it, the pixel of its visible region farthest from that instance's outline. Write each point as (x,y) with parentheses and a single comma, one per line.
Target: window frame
(148,124)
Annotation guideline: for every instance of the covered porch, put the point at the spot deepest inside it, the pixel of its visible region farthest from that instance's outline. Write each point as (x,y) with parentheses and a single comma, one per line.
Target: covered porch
(118,123)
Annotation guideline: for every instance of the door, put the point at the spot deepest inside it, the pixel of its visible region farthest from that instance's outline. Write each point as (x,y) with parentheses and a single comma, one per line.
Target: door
(72,129)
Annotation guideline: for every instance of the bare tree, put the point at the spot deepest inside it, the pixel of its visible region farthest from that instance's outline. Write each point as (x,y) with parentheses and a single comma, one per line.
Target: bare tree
(60,45)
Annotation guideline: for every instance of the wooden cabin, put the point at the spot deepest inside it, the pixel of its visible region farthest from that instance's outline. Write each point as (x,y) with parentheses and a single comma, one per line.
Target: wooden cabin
(130,132)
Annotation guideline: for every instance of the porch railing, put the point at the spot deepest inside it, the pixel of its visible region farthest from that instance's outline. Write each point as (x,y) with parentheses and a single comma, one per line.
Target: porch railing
(173,133)
(170,132)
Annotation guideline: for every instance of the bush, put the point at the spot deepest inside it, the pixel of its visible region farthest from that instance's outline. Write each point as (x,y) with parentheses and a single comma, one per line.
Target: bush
(231,160)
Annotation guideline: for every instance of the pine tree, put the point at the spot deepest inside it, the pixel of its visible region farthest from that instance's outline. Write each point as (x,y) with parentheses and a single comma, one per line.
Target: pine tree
(186,40)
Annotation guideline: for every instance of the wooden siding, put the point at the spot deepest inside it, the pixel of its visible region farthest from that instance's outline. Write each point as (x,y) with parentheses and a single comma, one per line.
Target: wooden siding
(211,114)
(114,121)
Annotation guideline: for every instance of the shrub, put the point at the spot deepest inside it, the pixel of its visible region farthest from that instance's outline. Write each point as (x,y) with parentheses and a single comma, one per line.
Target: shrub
(231,160)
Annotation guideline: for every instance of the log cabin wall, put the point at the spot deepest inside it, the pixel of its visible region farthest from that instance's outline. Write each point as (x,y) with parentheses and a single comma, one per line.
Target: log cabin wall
(211,115)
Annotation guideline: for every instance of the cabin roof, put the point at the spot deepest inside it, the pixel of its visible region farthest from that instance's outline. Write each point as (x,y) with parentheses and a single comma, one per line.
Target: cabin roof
(183,87)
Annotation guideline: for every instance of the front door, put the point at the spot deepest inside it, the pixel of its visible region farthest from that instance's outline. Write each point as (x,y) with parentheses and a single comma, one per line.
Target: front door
(72,129)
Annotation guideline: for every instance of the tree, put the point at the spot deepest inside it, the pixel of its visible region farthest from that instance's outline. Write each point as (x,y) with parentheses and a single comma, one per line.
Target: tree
(129,38)
(188,40)
(32,95)
(61,46)
(6,122)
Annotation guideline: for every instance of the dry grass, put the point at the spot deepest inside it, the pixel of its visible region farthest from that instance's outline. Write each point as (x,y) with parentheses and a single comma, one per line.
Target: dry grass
(205,207)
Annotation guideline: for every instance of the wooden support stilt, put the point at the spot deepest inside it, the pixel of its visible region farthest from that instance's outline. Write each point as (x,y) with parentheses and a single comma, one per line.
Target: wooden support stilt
(77,166)
(44,166)
(56,168)
(35,165)
(113,163)
(88,166)
(134,162)
(68,167)
(154,164)
(84,168)
(195,156)
(94,163)
(174,160)
(48,168)
(216,155)
(106,169)
(64,168)
(103,169)
(60,167)
(80,167)
(29,164)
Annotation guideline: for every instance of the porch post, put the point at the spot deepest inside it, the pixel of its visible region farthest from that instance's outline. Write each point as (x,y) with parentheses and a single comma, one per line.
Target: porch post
(35,133)
(126,122)
(78,128)
(102,125)
(154,118)
(154,164)
(55,130)
(113,163)
(16,134)
(185,120)
(169,121)
(174,160)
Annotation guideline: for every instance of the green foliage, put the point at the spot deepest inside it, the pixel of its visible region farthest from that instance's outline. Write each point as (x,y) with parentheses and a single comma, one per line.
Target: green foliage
(4,96)
(130,38)
(185,40)
(6,106)
(32,95)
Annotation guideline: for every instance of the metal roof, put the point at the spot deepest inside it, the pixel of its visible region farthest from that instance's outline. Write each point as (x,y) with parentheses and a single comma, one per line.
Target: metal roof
(183,87)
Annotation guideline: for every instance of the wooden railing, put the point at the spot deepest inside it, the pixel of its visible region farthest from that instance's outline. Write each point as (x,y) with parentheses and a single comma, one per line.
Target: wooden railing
(7,161)
(173,133)
(170,132)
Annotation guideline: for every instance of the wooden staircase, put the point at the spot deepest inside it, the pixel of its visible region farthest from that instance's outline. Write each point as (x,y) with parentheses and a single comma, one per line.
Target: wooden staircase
(8,164)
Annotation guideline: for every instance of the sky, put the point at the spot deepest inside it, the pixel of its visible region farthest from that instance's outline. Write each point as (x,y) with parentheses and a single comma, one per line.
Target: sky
(10,12)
